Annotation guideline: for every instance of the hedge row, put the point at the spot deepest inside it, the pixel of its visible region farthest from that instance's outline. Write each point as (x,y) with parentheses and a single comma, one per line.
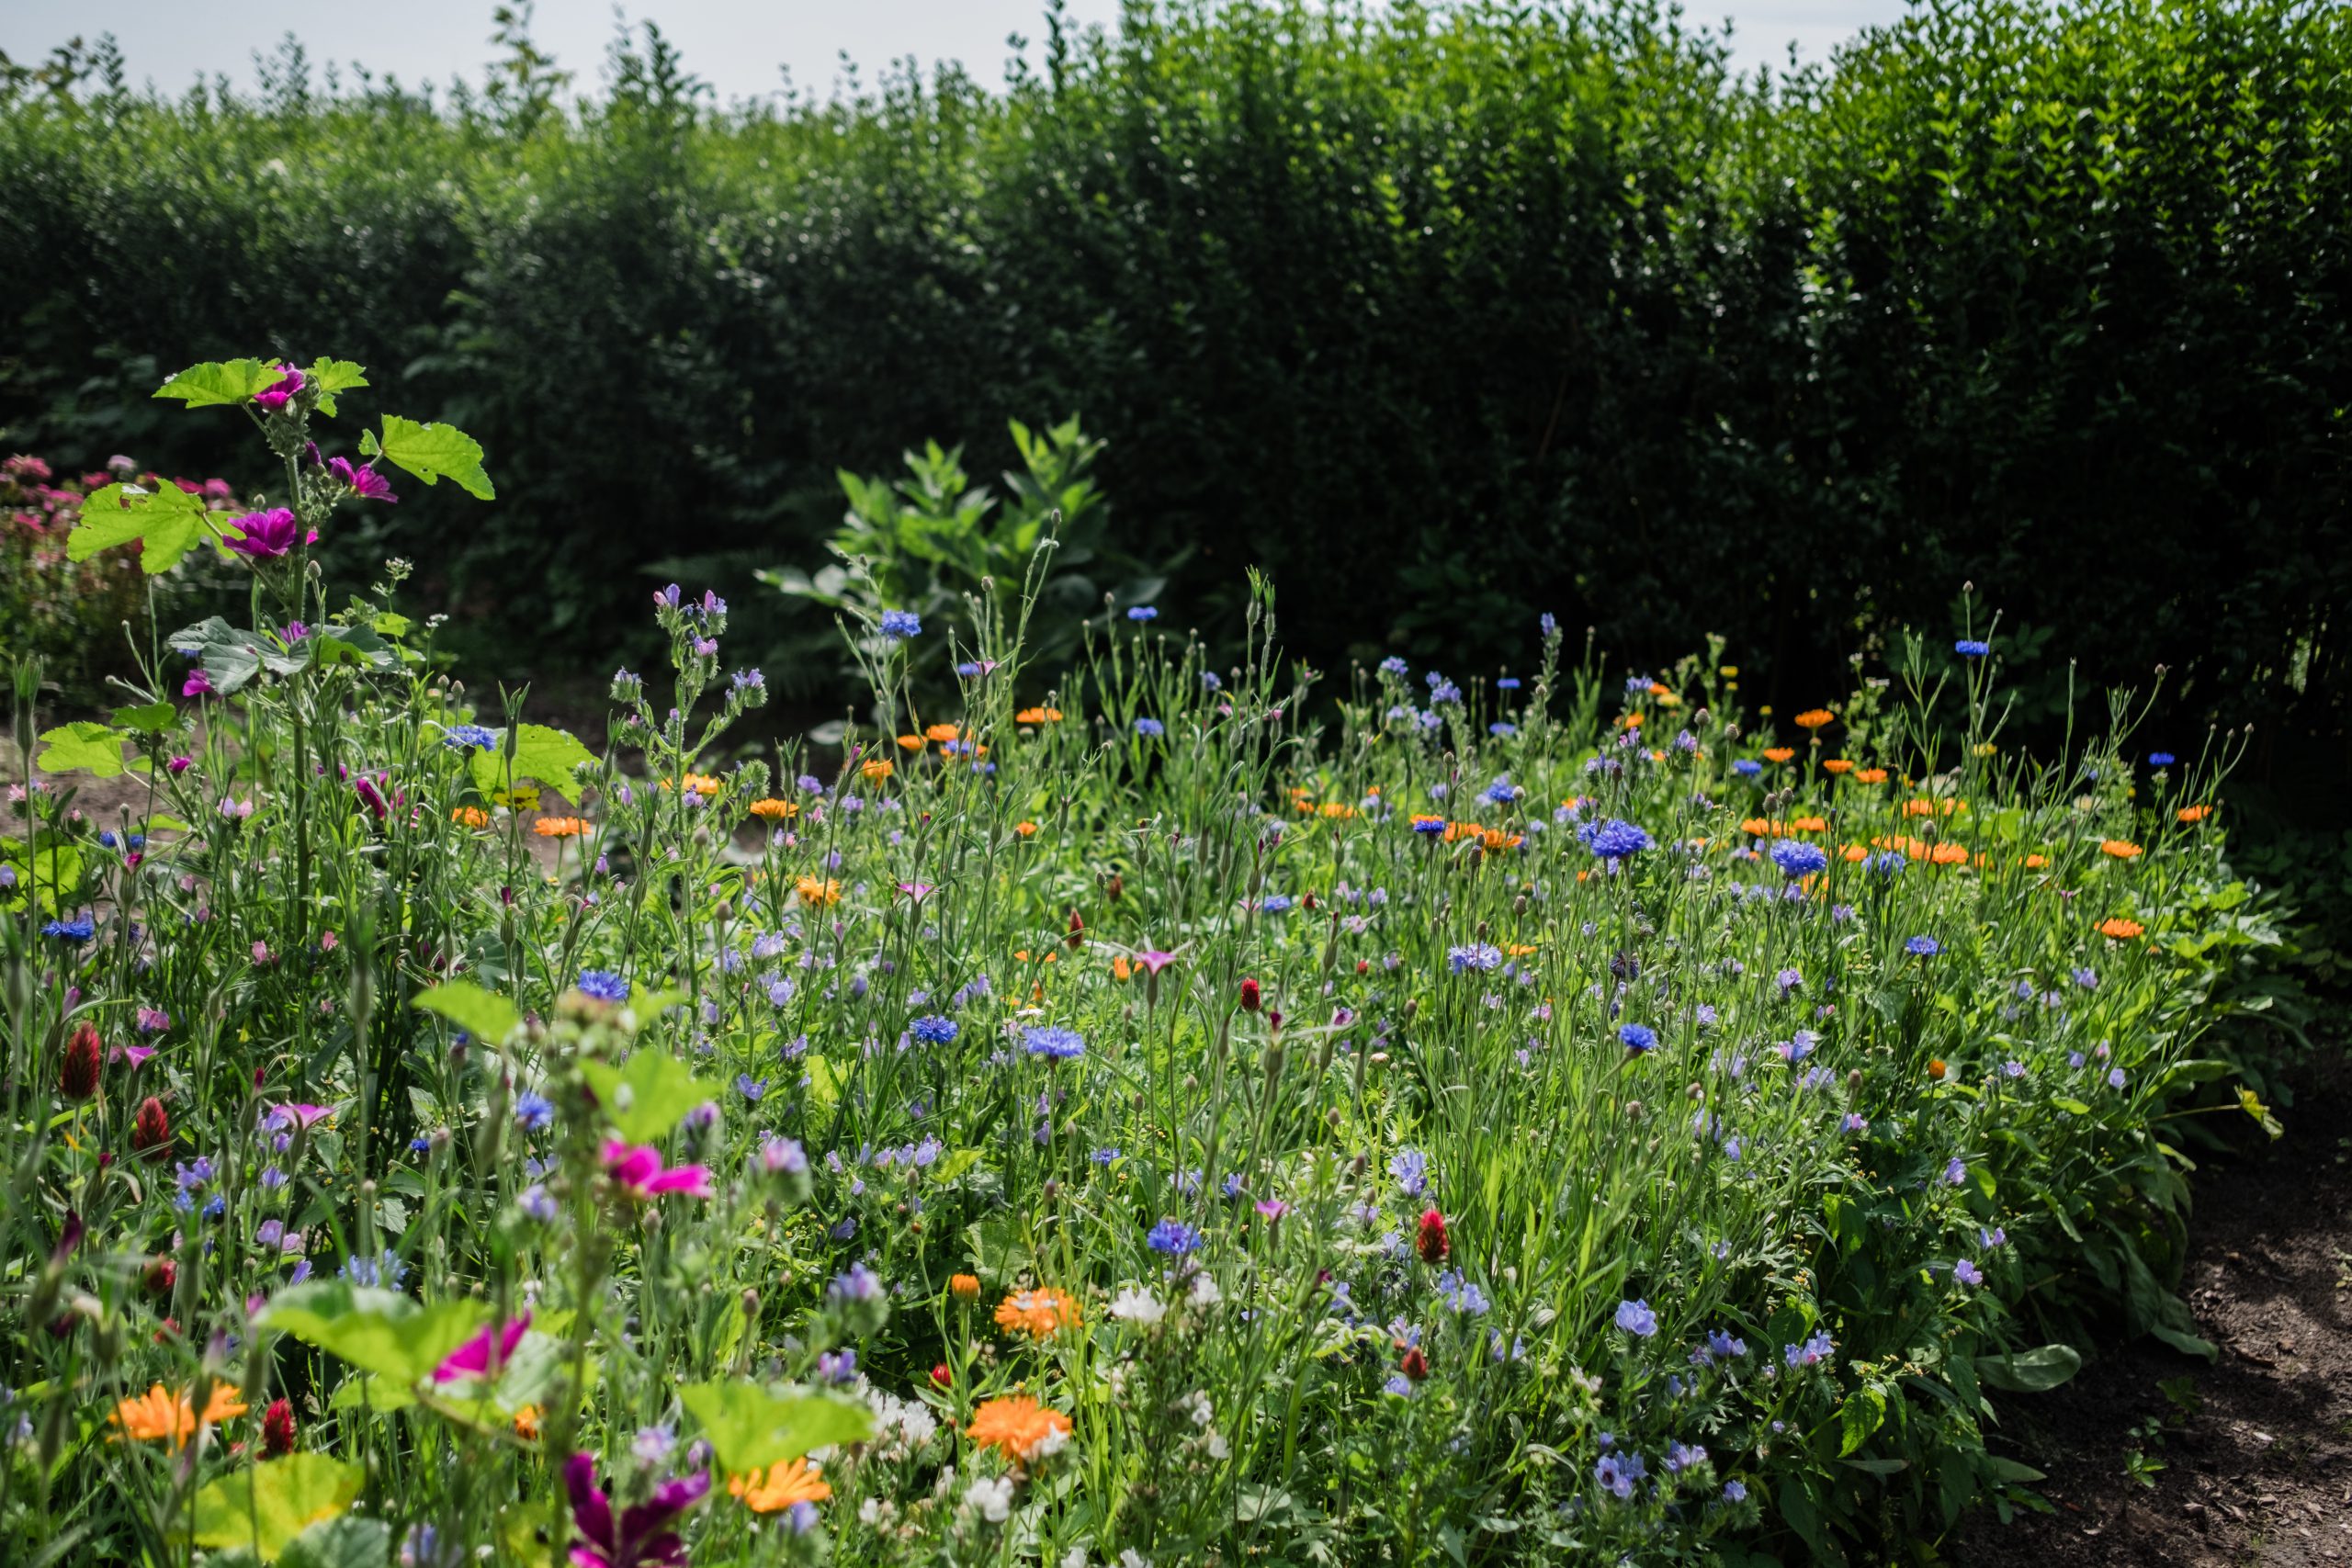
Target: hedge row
(1447,316)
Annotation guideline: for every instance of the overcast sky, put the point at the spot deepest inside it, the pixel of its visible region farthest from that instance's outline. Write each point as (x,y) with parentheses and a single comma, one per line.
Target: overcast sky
(738,46)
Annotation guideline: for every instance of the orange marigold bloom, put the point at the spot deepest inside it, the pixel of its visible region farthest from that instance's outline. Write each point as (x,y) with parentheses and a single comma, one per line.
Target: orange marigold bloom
(1759,827)
(2035,863)
(471,816)
(1870,776)
(1814,718)
(941,732)
(1121,969)
(1935,1067)
(1837,765)
(156,1413)
(1779,754)
(1338,810)
(1949,855)
(774,810)
(527,1423)
(560,827)
(910,742)
(2121,929)
(701,784)
(1016,1424)
(2122,849)
(875,771)
(1808,825)
(1027,830)
(2194,813)
(966,1286)
(1038,1313)
(1855,854)
(1632,721)
(787,1481)
(1039,716)
(813,891)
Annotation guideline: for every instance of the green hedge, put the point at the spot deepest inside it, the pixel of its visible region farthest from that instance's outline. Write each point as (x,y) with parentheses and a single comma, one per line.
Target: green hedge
(1446,316)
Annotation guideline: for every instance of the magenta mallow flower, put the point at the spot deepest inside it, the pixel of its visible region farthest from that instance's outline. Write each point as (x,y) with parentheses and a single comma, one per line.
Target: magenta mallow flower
(474,1358)
(642,1535)
(636,1169)
(268,535)
(198,685)
(1152,959)
(365,481)
(305,1116)
(274,397)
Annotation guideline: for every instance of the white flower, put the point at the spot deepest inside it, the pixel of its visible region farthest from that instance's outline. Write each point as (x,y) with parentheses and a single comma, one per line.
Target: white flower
(1074,1558)
(1216,1445)
(1052,1443)
(1196,1405)
(876,1512)
(1131,1558)
(1134,1305)
(991,1499)
(1204,1293)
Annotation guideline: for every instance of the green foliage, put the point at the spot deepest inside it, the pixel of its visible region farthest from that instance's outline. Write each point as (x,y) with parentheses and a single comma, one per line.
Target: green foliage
(484,1014)
(648,1095)
(377,1331)
(432,452)
(83,746)
(265,1508)
(752,1428)
(550,756)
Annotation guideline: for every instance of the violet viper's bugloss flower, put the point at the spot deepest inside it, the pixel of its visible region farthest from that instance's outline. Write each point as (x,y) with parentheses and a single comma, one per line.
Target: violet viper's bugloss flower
(269,535)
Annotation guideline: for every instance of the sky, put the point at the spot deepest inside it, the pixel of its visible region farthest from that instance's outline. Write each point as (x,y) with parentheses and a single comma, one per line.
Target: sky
(739,47)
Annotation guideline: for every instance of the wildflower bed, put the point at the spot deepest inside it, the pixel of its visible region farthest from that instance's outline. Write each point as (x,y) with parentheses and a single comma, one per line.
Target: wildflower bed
(1543,1120)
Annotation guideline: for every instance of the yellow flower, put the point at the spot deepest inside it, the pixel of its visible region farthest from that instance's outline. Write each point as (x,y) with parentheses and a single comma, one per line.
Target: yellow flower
(774,810)
(787,1481)
(156,1413)
(1016,1424)
(814,892)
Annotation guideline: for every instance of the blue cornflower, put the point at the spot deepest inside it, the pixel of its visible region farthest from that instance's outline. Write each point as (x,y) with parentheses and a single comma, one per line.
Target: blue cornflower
(1797,858)
(1274,903)
(1411,1170)
(604,985)
(1209,681)
(1143,613)
(1105,1157)
(1638,1038)
(1053,1042)
(1923,947)
(469,738)
(900,624)
(1502,729)
(384,1270)
(1479,955)
(1428,824)
(76,930)
(1502,792)
(2161,759)
(1748,767)
(1150,727)
(1173,1237)
(1637,1318)
(1614,839)
(1506,683)
(933,1029)
(1967,648)
(1885,862)
(534,1111)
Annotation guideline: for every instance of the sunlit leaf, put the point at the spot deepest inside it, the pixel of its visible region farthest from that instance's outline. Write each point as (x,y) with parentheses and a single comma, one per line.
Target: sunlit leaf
(375,1330)
(485,1015)
(432,452)
(751,1429)
(84,745)
(648,1095)
(217,383)
(263,1507)
(167,521)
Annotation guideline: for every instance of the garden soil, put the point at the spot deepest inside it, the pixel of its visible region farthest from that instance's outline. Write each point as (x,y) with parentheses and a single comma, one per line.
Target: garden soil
(2258,1465)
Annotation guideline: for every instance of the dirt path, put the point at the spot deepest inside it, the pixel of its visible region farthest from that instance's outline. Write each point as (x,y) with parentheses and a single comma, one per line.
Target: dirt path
(2256,1450)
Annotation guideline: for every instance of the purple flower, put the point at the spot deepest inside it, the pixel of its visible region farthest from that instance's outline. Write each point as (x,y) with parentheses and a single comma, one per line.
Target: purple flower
(269,535)
(1967,1273)
(1637,1318)
(642,1534)
(274,397)
(474,1359)
(365,481)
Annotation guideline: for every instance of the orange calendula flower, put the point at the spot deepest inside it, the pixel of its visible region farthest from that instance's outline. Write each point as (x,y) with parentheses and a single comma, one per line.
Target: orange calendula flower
(471,816)
(1027,830)
(875,771)
(942,732)
(1949,855)
(560,827)
(1632,721)
(1121,969)
(910,742)
(814,892)
(527,1423)
(1759,827)
(2120,930)
(701,784)
(1779,754)
(1870,776)
(964,1286)
(1809,825)
(1039,716)
(1038,1313)
(1814,718)
(787,1481)
(774,810)
(1338,810)
(1854,853)
(157,1415)
(2034,862)
(2194,813)
(1837,765)
(1935,1067)
(1016,1424)
(2120,849)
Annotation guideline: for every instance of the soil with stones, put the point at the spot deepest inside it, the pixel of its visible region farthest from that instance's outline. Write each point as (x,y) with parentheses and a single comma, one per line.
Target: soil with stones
(2255,1449)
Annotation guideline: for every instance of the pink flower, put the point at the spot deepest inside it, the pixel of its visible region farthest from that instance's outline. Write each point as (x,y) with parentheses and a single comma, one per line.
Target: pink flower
(181,764)
(643,1534)
(474,1359)
(198,685)
(369,794)
(636,1169)
(303,1116)
(365,481)
(135,1054)
(279,393)
(268,535)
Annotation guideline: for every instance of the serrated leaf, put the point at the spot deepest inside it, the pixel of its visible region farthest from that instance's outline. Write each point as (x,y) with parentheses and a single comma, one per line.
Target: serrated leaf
(82,745)
(647,1096)
(153,719)
(375,1330)
(263,1507)
(432,452)
(485,1015)
(540,753)
(217,383)
(751,1429)
(167,521)
(328,376)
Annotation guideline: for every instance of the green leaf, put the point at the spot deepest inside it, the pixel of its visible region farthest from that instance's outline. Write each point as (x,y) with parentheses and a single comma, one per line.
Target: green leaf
(432,451)
(752,1428)
(2030,1372)
(369,1391)
(487,1016)
(329,377)
(231,657)
(167,520)
(542,753)
(54,871)
(153,719)
(217,383)
(346,1541)
(648,1095)
(2011,1471)
(824,1082)
(375,1330)
(82,745)
(1863,1410)
(359,646)
(264,1506)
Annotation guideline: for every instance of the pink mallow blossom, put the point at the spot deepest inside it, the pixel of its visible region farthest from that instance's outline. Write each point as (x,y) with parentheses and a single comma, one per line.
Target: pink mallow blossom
(474,1359)
(365,481)
(642,1534)
(274,397)
(636,1169)
(268,535)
